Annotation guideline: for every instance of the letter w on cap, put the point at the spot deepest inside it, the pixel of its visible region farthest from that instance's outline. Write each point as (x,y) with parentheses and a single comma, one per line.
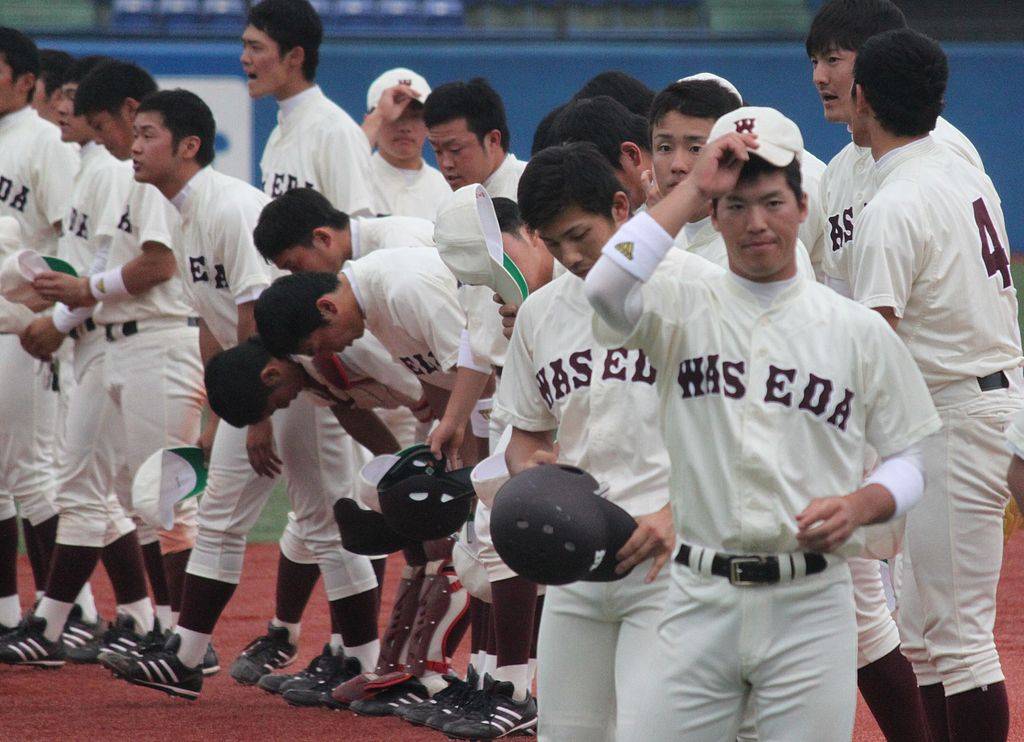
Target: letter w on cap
(744,125)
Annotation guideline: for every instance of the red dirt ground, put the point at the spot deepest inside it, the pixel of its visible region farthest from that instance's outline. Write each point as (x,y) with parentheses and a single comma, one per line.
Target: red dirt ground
(84,703)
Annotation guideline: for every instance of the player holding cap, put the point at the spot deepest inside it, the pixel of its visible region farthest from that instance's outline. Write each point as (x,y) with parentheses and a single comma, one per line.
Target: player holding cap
(468,130)
(315,143)
(747,367)
(929,253)
(403,184)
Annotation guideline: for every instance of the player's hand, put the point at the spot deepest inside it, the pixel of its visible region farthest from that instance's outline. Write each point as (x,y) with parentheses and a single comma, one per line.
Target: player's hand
(394,101)
(41,339)
(259,444)
(508,314)
(72,290)
(650,188)
(654,538)
(540,457)
(446,440)
(826,523)
(718,166)
(205,441)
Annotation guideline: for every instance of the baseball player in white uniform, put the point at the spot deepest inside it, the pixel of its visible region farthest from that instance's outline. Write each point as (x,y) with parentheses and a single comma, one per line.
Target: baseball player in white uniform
(929,253)
(315,143)
(403,184)
(468,130)
(743,379)
(557,378)
(225,274)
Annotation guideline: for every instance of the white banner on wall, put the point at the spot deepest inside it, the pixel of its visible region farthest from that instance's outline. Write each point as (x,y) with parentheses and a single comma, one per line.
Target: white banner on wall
(228,98)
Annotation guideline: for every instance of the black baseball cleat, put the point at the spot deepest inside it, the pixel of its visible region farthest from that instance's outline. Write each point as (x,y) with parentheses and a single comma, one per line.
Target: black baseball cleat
(493,713)
(159,669)
(82,639)
(26,645)
(120,639)
(319,668)
(211,664)
(263,655)
(387,702)
(344,668)
(443,704)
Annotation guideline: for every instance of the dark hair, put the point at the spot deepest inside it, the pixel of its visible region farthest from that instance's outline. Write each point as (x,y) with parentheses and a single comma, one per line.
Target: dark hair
(19,51)
(234,388)
(605,123)
(82,66)
(847,24)
(703,99)
(290,219)
(109,85)
(185,114)
(626,89)
(903,75)
(53,65)
(756,166)
(564,176)
(510,221)
(286,313)
(291,23)
(542,135)
(476,101)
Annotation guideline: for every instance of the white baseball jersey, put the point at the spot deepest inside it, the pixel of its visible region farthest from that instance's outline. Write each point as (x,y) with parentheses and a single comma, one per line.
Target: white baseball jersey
(385,232)
(932,244)
(486,336)
(504,181)
(401,192)
(96,180)
(317,145)
(702,239)
(765,409)
(221,266)
(848,184)
(410,302)
(557,376)
(812,230)
(37,172)
(1015,435)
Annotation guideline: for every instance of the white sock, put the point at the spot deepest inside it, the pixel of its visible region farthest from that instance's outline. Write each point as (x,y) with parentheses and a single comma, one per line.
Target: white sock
(193,646)
(293,629)
(518,675)
(142,611)
(174,619)
(478,660)
(533,670)
(39,595)
(56,614)
(163,615)
(490,663)
(10,611)
(86,602)
(337,645)
(367,654)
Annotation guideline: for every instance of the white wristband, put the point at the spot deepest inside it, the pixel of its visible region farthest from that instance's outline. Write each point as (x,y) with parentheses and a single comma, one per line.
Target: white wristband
(466,357)
(639,246)
(108,285)
(66,320)
(903,476)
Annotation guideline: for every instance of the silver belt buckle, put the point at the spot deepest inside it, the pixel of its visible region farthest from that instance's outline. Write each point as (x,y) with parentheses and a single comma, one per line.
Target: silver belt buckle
(736,568)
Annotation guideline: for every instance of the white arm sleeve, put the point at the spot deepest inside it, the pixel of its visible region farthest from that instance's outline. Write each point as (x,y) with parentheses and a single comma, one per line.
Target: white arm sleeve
(615,294)
(65,319)
(466,357)
(903,475)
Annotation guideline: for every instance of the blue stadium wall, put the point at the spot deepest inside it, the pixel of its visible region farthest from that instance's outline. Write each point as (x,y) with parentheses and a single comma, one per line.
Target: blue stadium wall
(985,98)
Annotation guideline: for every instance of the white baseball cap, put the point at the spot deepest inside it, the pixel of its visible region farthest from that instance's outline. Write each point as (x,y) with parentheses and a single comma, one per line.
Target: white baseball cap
(163,480)
(716,78)
(779,140)
(396,76)
(19,269)
(469,241)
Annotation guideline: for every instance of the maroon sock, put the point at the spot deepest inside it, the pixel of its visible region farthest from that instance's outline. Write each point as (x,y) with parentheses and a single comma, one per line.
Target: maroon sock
(355,618)
(123,561)
(154,561)
(202,602)
(480,619)
(490,638)
(889,688)
(70,568)
(380,567)
(933,698)
(9,557)
(39,543)
(295,583)
(536,626)
(513,607)
(979,715)
(174,569)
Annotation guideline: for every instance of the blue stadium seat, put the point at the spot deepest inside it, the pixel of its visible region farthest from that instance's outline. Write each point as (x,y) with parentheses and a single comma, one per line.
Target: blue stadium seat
(406,15)
(443,13)
(224,16)
(135,16)
(181,15)
(351,15)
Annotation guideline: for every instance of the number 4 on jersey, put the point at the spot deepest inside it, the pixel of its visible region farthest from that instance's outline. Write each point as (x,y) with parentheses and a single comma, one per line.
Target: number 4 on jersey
(992,252)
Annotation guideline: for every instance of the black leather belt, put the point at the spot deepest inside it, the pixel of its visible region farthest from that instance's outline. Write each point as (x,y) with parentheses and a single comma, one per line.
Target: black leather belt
(752,570)
(994,381)
(127,329)
(87,326)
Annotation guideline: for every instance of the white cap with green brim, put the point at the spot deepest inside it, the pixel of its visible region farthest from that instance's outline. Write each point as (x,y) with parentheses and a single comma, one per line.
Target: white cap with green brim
(488,476)
(166,478)
(19,270)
